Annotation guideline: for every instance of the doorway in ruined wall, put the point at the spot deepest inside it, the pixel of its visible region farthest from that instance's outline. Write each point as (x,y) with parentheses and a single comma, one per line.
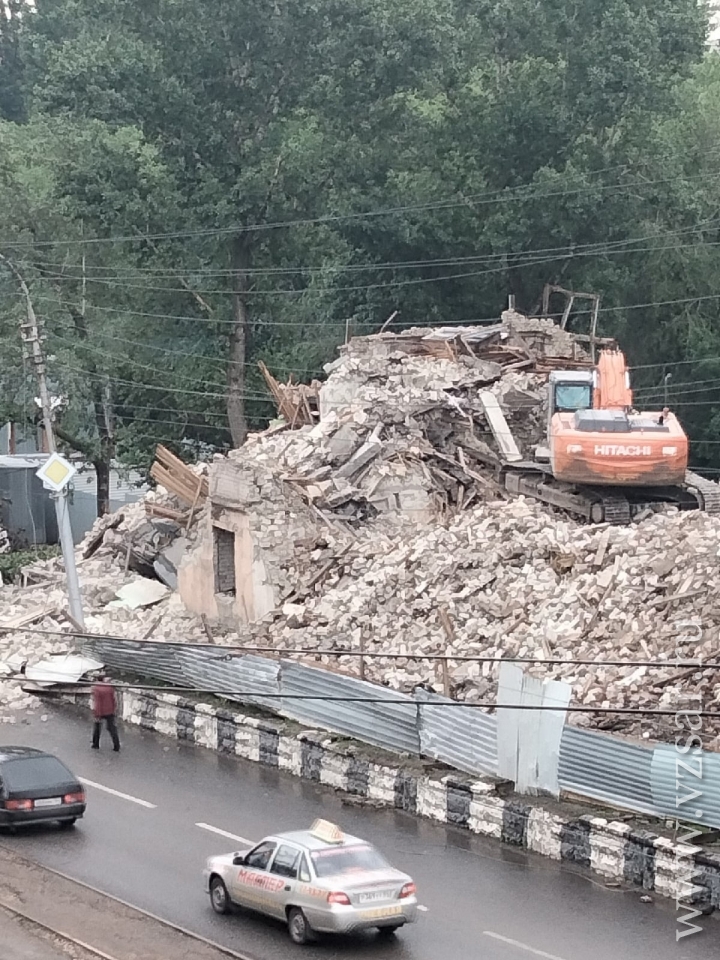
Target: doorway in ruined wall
(224,561)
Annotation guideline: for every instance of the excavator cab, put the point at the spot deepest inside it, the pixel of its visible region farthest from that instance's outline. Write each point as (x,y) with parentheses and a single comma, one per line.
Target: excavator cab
(569,391)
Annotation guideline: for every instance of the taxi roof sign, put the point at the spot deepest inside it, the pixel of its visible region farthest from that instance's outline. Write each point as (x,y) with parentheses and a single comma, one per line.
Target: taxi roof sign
(56,472)
(326,831)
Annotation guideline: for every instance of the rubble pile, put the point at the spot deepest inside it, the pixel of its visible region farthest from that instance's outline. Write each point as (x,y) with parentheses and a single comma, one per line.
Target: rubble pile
(127,570)
(423,553)
(403,424)
(513,582)
(370,521)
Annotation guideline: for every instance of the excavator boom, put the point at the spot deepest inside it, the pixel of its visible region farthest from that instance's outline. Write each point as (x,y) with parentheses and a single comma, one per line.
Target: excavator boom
(612,382)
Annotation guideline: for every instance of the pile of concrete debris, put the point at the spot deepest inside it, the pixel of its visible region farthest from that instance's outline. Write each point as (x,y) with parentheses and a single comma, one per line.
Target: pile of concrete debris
(506,580)
(405,421)
(127,566)
(377,527)
(370,521)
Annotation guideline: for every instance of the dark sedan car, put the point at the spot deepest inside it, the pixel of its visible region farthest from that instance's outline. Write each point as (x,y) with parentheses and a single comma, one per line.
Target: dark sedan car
(36,787)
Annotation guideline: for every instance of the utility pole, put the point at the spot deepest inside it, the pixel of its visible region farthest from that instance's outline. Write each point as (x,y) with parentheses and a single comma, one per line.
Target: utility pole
(668,378)
(30,333)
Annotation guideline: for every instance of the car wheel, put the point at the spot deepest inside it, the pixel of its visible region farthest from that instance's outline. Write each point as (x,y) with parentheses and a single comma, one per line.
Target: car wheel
(387,932)
(219,896)
(67,824)
(300,930)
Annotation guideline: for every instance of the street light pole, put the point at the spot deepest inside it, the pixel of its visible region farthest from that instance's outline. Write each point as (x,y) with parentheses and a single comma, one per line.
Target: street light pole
(30,333)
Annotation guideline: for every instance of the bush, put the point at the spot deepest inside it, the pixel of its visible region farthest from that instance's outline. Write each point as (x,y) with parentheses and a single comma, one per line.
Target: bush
(12,563)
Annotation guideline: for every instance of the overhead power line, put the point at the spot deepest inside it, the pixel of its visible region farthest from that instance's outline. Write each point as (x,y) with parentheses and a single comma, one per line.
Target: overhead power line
(507,195)
(231,652)
(608,250)
(399,701)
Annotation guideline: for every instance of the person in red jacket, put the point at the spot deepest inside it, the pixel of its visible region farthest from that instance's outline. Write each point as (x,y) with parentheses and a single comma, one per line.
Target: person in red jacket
(104,707)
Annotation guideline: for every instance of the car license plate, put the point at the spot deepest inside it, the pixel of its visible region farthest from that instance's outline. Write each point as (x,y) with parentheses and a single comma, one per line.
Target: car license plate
(49,802)
(380,913)
(373,896)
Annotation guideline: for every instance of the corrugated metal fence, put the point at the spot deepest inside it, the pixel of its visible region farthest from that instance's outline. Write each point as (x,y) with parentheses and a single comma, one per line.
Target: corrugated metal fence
(647,779)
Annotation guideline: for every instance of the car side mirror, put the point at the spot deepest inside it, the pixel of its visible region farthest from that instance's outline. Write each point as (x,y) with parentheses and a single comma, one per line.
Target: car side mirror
(238,860)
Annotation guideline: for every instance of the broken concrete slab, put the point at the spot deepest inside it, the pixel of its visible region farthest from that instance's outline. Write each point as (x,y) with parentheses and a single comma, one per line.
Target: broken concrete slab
(167,564)
(140,593)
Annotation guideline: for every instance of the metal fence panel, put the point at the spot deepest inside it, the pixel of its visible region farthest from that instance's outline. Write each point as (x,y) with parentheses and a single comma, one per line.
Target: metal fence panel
(391,725)
(249,679)
(147,660)
(550,726)
(606,769)
(462,737)
(644,779)
(686,786)
(594,765)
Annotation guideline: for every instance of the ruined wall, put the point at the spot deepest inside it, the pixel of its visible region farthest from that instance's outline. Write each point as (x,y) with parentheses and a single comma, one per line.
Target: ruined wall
(272,535)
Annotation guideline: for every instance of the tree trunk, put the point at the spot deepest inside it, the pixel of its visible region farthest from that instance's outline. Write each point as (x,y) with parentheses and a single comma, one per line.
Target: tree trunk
(102,476)
(102,404)
(238,343)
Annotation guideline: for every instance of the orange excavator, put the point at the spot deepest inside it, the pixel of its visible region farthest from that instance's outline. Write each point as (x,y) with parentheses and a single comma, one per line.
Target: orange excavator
(607,461)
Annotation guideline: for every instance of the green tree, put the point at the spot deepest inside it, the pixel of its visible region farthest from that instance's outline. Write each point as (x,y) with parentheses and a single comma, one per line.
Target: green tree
(200,133)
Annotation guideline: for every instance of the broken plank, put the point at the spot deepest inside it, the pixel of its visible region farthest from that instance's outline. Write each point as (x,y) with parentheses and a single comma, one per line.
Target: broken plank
(95,542)
(499,426)
(153,627)
(690,595)
(603,598)
(72,621)
(165,513)
(25,619)
(602,549)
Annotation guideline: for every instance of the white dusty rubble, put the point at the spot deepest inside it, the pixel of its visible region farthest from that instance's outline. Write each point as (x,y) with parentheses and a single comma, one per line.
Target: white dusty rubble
(102,577)
(518,583)
(380,528)
(402,423)
(409,523)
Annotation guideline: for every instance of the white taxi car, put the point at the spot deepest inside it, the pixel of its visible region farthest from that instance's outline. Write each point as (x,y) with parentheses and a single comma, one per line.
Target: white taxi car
(317,880)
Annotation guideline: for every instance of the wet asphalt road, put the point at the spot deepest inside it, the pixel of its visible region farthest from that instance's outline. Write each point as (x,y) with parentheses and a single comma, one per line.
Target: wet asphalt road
(484,901)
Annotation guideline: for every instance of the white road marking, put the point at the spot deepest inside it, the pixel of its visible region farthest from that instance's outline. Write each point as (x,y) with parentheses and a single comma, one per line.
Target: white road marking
(520,946)
(422,909)
(117,793)
(224,833)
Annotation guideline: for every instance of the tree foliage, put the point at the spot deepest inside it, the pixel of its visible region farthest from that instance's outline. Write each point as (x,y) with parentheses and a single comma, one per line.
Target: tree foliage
(190,187)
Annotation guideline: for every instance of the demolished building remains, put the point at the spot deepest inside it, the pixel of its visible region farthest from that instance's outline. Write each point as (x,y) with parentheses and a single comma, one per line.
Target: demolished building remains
(371,522)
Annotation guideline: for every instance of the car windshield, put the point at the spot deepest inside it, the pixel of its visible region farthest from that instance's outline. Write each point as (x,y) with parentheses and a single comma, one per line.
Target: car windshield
(35,773)
(337,860)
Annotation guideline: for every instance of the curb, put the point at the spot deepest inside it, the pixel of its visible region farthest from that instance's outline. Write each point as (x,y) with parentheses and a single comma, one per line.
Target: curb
(611,849)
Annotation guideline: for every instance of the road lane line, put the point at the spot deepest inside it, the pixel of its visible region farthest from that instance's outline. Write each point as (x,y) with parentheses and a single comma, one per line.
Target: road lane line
(520,946)
(422,909)
(224,833)
(117,793)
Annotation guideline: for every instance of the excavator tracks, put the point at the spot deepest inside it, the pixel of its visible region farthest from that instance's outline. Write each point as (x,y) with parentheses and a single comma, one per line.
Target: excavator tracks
(612,506)
(615,510)
(705,491)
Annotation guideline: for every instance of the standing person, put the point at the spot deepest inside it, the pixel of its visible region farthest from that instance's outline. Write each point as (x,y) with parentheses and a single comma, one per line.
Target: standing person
(104,706)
